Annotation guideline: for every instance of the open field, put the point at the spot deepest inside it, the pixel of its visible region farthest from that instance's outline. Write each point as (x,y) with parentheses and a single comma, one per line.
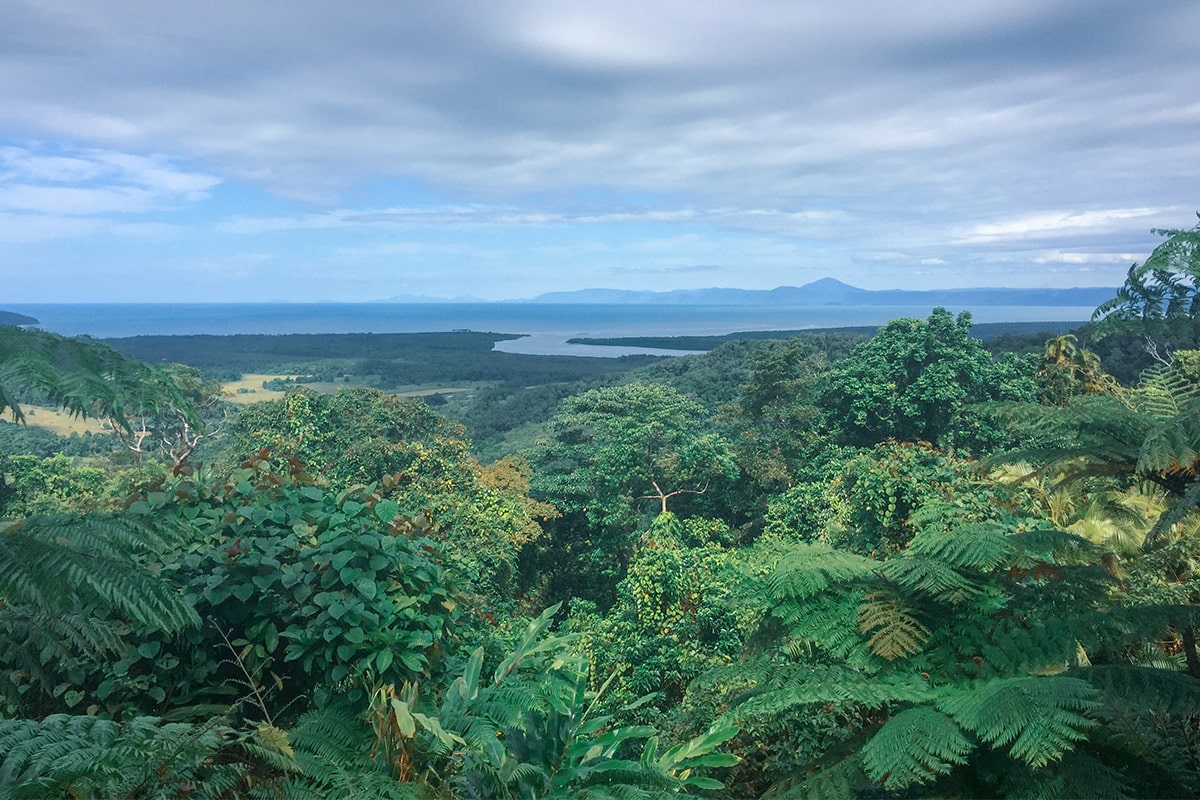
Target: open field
(250,388)
(60,422)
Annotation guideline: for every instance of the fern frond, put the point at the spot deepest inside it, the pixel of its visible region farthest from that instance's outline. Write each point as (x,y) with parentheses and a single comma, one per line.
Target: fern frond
(840,779)
(1051,546)
(827,624)
(1077,774)
(1163,390)
(808,569)
(1144,689)
(1038,719)
(1172,445)
(63,563)
(895,633)
(913,747)
(788,688)
(82,756)
(931,577)
(978,546)
(1016,647)
(1118,628)
(334,747)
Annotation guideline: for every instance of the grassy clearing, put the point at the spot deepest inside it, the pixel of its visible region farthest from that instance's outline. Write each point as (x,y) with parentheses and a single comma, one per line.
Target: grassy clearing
(60,422)
(250,388)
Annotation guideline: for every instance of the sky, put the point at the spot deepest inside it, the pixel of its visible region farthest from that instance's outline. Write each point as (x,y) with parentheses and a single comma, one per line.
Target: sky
(305,150)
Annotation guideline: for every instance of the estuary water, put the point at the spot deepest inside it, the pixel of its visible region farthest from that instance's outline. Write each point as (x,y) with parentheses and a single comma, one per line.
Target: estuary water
(545,326)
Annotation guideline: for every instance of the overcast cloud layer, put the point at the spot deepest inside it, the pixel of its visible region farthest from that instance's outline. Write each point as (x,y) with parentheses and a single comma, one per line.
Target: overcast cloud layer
(311,150)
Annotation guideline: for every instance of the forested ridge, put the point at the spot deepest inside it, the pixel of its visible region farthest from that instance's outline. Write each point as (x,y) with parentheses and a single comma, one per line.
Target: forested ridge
(899,564)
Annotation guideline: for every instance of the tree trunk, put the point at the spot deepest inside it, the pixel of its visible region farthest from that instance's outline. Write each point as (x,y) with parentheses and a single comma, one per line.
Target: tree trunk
(1189,652)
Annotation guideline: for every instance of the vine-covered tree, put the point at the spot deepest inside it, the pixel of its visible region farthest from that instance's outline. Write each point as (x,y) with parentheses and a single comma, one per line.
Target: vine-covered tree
(611,460)
(611,450)
(913,380)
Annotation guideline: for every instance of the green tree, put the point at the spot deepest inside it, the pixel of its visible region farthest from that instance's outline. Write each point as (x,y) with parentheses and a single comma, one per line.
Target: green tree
(147,417)
(675,617)
(913,381)
(609,451)
(1160,300)
(420,460)
(307,584)
(31,485)
(779,412)
(612,458)
(1069,369)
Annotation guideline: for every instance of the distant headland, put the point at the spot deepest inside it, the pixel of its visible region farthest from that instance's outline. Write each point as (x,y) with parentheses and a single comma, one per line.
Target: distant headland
(13,318)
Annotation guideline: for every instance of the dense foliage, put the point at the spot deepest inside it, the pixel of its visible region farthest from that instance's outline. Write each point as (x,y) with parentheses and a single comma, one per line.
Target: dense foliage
(894,565)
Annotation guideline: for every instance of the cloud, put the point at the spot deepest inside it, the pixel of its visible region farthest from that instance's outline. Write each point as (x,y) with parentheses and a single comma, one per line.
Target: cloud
(865,140)
(673,96)
(1054,223)
(94,182)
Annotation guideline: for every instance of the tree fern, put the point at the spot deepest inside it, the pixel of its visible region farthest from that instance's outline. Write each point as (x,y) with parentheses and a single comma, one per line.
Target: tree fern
(1145,689)
(808,569)
(81,375)
(1117,628)
(915,746)
(1164,391)
(91,757)
(976,546)
(824,624)
(840,779)
(1077,774)
(1150,433)
(790,687)
(931,577)
(64,563)
(336,751)
(1016,646)
(894,632)
(1038,719)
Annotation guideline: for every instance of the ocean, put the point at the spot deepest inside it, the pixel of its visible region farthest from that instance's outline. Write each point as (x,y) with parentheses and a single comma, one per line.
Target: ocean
(545,326)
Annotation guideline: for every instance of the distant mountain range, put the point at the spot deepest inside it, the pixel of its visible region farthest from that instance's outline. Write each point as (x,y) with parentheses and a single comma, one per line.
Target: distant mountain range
(832,292)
